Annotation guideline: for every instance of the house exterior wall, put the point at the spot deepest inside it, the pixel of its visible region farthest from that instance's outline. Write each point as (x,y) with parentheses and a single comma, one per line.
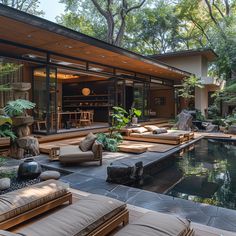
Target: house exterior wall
(197,65)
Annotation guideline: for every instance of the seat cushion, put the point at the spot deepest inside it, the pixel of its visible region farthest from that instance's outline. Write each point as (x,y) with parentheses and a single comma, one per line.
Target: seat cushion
(156,224)
(7,233)
(73,154)
(87,143)
(80,218)
(165,136)
(151,127)
(139,130)
(25,199)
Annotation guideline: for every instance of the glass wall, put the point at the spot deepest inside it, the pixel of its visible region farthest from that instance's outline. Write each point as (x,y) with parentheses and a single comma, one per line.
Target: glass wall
(45,97)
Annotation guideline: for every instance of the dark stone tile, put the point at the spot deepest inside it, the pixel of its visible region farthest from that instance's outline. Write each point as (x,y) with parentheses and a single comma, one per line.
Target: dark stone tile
(75,178)
(221,223)
(94,186)
(145,199)
(123,193)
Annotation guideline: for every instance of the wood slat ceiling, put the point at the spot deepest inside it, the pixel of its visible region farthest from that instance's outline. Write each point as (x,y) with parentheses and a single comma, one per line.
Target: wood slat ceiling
(22,33)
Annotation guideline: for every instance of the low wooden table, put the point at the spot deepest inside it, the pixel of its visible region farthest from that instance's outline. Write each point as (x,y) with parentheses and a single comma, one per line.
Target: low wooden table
(134,148)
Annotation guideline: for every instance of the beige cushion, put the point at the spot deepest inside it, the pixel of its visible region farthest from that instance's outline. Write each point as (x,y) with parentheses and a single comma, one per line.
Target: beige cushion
(151,127)
(22,200)
(7,233)
(166,136)
(79,218)
(139,130)
(205,230)
(87,143)
(156,224)
(73,154)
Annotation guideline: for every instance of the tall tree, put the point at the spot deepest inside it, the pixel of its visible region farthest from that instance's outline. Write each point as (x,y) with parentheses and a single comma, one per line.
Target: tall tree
(114,14)
(29,6)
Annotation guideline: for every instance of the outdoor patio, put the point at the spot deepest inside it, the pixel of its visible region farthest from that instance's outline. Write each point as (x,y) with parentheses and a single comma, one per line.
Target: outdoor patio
(91,178)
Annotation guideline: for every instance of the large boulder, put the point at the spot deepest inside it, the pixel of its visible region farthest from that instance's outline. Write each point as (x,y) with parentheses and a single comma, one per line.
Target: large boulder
(184,121)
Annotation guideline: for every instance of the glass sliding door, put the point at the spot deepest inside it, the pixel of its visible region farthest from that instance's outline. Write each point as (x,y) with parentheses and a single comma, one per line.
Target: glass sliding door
(45,97)
(141,99)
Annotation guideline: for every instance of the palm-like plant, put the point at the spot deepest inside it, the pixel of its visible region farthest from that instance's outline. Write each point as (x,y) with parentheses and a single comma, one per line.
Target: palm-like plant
(18,107)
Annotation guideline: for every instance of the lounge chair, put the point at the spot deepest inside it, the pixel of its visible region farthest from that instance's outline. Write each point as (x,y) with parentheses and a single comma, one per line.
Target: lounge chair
(145,135)
(155,223)
(25,203)
(93,215)
(88,150)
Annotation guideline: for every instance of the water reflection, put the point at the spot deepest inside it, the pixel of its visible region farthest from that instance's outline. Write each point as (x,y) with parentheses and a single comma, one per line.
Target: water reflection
(209,172)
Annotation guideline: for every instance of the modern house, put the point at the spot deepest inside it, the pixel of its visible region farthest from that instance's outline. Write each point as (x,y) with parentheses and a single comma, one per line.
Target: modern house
(195,62)
(70,72)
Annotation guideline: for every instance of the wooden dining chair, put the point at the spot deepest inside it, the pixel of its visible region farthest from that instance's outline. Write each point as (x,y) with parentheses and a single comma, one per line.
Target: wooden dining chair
(91,115)
(84,118)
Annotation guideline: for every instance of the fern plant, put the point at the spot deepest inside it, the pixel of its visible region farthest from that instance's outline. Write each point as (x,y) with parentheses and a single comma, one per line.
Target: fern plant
(6,127)
(110,143)
(18,107)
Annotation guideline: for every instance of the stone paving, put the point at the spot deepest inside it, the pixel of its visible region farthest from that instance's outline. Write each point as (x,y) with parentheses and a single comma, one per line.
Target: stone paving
(90,177)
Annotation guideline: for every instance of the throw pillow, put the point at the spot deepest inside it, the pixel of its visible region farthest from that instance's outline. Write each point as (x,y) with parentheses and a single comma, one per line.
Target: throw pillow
(87,143)
(160,131)
(139,130)
(151,127)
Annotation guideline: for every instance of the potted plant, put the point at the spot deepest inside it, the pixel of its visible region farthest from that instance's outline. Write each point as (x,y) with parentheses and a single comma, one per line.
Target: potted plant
(17,110)
(119,120)
(231,123)
(134,114)
(6,133)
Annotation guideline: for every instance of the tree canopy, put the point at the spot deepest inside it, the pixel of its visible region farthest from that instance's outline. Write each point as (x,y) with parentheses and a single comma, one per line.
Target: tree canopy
(29,6)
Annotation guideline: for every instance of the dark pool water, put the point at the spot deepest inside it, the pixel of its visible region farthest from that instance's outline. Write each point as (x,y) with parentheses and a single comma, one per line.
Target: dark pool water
(205,174)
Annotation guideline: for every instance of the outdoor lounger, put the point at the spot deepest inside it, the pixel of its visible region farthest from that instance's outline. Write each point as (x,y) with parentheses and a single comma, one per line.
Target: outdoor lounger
(160,224)
(146,134)
(93,215)
(25,203)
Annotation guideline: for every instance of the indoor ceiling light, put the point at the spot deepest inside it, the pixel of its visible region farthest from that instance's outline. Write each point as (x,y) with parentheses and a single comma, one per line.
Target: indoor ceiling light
(86,91)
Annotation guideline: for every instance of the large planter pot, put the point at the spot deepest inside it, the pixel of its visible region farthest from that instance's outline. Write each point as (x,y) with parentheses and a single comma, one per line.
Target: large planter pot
(22,120)
(5,142)
(29,169)
(134,120)
(21,86)
(232,129)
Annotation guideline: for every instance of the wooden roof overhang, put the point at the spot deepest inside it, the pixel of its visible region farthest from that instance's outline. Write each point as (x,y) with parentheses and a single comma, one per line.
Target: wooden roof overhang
(22,34)
(206,52)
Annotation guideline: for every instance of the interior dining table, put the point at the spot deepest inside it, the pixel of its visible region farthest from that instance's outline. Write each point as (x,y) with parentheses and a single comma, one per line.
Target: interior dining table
(73,115)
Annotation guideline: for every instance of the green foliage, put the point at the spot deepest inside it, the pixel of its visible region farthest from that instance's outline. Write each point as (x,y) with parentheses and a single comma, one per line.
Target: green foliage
(8,174)
(133,112)
(110,142)
(199,116)
(18,107)
(2,161)
(230,120)
(6,131)
(29,6)
(188,86)
(118,118)
(6,127)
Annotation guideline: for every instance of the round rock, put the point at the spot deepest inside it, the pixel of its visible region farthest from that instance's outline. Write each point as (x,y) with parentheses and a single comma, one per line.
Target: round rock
(5,183)
(50,174)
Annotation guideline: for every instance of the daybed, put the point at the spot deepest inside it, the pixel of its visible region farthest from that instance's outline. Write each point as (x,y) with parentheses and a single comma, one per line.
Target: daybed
(147,134)
(25,203)
(88,150)
(92,215)
(159,224)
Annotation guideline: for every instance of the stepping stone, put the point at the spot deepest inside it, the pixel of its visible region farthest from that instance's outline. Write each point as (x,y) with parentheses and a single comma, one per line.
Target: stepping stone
(49,174)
